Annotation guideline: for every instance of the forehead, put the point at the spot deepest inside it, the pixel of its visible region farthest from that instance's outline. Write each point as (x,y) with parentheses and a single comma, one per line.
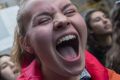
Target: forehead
(31,4)
(97,14)
(4,58)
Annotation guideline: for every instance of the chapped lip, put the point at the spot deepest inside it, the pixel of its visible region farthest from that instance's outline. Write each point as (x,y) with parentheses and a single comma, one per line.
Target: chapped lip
(78,55)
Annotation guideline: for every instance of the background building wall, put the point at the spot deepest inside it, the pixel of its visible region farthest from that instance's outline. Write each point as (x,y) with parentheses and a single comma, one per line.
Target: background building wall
(7,26)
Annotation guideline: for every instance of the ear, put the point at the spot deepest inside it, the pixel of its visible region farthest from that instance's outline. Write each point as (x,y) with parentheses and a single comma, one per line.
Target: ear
(26,45)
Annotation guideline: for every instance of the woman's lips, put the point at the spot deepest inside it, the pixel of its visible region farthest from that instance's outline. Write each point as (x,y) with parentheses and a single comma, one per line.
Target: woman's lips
(68,47)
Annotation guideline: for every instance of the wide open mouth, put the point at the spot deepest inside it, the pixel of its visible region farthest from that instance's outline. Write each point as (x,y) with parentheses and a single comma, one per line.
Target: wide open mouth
(67,46)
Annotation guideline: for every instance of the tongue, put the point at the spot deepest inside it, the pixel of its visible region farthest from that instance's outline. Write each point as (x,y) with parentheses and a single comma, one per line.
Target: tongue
(67,52)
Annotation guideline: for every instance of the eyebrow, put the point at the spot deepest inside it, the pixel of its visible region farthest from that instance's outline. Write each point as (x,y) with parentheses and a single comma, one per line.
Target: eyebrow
(47,12)
(66,6)
(41,13)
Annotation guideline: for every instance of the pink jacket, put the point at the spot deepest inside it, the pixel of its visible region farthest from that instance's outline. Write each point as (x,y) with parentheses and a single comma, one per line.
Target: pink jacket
(97,71)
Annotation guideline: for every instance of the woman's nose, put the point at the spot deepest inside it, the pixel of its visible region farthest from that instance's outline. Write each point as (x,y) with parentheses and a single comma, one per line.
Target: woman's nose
(61,22)
(105,21)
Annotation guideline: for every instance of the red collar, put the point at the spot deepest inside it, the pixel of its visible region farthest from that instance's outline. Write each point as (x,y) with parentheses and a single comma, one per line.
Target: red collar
(96,70)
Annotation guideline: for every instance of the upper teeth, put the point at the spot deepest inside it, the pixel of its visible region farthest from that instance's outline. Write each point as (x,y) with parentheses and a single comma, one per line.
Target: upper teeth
(66,38)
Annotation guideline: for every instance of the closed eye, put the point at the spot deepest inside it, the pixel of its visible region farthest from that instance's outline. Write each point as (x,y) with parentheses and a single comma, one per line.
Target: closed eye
(43,20)
(97,19)
(4,65)
(69,12)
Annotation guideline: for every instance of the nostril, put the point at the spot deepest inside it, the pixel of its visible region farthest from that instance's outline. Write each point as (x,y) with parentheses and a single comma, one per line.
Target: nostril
(62,25)
(68,23)
(58,25)
(105,21)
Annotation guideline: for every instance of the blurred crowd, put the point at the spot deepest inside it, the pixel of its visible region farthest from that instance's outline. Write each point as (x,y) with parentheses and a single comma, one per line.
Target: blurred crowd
(104,35)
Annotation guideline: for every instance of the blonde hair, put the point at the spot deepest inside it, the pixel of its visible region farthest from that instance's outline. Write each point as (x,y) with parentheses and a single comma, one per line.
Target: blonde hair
(17,51)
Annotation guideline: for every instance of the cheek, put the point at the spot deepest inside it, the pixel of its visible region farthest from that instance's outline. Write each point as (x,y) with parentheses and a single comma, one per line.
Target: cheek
(97,27)
(79,22)
(40,39)
(39,34)
(6,71)
(110,23)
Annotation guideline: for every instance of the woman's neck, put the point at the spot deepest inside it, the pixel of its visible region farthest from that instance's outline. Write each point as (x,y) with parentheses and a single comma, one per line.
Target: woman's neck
(50,75)
(104,40)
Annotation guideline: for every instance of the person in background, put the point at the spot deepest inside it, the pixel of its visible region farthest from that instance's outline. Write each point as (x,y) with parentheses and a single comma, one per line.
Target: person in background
(8,70)
(113,55)
(100,31)
(50,43)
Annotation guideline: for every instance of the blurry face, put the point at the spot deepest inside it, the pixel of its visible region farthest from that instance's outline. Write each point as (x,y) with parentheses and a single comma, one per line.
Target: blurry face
(100,23)
(8,69)
(57,34)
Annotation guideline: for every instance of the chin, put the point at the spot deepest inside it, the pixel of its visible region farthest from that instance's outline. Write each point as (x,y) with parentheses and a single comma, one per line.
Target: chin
(73,73)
